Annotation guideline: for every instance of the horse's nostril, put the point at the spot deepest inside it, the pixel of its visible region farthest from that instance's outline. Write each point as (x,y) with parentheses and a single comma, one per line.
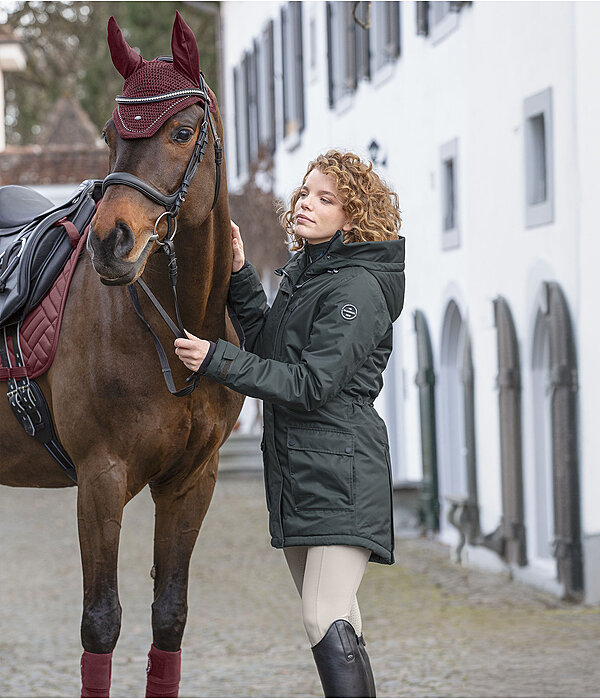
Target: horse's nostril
(124,240)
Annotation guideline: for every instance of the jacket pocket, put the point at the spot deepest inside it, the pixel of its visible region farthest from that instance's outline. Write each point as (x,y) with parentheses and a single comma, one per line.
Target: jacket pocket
(321,464)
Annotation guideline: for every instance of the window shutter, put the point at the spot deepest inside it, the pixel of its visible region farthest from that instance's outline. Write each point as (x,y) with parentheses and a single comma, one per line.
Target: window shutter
(246,108)
(270,86)
(253,102)
(299,68)
(422,18)
(238,126)
(350,40)
(283,70)
(363,49)
(394,23)
(330,84)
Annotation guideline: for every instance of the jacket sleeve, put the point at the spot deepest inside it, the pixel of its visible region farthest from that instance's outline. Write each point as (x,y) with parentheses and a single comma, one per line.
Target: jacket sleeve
(249,301)
(337,347)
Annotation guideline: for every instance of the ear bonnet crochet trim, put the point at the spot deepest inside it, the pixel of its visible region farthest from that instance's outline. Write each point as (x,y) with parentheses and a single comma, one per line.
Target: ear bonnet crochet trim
(156,90)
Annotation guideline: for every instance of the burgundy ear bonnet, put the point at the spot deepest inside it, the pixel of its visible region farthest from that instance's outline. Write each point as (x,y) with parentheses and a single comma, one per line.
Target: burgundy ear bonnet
(156,90)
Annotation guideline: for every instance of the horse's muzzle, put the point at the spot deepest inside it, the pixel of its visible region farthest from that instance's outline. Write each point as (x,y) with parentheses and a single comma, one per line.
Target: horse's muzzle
(108,255)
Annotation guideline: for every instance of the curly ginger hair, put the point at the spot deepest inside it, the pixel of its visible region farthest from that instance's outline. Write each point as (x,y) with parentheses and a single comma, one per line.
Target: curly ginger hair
(369,203)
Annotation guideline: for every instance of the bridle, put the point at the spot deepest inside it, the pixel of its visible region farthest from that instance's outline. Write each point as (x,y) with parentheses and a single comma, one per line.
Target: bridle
(172,204)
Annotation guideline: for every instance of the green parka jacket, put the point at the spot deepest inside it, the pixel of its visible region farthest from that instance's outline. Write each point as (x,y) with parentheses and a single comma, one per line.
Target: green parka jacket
(316,359)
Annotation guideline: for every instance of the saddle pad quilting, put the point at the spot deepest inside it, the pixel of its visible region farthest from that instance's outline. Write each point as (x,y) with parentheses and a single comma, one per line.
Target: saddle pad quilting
(40,330)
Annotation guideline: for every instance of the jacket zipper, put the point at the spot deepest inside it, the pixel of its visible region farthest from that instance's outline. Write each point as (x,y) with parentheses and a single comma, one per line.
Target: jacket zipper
(275,344)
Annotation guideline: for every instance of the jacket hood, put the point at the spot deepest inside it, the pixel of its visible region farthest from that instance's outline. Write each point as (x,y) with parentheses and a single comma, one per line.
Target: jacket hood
(383,259)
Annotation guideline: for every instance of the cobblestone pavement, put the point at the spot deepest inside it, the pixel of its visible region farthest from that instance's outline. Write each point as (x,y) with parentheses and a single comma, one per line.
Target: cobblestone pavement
(433,629)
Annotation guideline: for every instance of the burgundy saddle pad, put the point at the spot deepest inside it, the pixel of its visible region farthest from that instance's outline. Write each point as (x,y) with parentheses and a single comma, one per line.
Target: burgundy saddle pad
(40,330)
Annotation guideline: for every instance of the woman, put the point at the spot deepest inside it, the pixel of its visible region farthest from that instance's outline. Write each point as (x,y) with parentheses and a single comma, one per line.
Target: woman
(316,359)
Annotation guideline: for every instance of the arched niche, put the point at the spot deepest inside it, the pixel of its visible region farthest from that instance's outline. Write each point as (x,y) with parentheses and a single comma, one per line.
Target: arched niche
(554,390)
(429,505)
(511,535)
(457,429)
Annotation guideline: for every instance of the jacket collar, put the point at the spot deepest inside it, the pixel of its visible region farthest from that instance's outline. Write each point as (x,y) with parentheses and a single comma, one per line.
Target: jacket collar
(298,263)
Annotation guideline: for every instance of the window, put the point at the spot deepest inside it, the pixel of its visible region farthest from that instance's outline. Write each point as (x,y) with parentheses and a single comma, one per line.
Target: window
(385,28)
(293,74)
(539,171)
(448,161)
(348,51)
(253,85)
(438,19)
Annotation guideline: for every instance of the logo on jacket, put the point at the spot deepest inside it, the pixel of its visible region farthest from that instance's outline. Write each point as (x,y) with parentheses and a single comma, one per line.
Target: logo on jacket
(349,311)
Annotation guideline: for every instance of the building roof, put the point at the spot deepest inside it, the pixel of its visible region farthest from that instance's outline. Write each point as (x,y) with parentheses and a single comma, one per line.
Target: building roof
(68,124)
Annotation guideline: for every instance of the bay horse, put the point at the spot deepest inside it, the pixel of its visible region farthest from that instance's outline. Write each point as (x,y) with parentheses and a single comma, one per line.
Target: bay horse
(111,410)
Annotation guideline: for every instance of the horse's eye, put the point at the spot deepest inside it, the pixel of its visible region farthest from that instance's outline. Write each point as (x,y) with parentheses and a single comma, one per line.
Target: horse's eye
(105,138)
(183,135)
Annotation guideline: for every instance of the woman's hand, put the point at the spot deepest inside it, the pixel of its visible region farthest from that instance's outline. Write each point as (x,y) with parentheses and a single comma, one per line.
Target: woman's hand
(238,248)
(191,350)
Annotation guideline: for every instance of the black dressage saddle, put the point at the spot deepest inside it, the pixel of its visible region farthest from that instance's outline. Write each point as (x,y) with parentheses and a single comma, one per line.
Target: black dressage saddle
(34,246)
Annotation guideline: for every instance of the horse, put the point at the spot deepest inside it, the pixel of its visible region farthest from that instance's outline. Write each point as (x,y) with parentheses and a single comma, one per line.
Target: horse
(112,413)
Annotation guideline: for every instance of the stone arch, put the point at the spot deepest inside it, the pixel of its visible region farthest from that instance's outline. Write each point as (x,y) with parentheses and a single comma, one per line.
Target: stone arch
(508,382)
(429,505)
(554,370)
(457,430)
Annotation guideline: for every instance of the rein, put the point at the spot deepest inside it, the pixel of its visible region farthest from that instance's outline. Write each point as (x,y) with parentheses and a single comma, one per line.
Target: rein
(172,204)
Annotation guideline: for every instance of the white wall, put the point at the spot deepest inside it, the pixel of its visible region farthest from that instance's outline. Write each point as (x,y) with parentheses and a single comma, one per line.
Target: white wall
(11,58)
(471,86)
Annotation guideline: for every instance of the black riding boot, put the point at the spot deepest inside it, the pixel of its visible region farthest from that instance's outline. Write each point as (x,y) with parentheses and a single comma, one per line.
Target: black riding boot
(343,663)
(367,663)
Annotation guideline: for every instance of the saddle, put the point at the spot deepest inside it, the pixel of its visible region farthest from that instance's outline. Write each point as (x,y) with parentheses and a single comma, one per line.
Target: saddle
(36,240)
(40,245)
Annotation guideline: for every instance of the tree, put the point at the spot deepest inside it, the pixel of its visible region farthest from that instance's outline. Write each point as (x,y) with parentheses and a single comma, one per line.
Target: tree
(67,55)
(254,209)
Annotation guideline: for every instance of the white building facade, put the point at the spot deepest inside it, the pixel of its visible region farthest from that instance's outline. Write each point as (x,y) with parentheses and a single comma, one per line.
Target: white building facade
(12,58)
(483,117)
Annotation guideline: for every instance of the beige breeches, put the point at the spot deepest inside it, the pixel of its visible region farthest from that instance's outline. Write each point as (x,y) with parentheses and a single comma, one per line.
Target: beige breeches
(327,579)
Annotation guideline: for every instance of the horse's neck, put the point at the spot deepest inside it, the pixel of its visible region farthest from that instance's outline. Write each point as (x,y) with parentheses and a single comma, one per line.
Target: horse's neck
(204,267)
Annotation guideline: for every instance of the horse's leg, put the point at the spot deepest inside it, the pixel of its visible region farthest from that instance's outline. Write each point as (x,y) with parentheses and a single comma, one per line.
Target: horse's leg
(179,515)
(100,502)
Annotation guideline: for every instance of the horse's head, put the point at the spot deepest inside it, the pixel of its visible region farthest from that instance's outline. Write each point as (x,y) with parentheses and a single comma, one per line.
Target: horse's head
(157,135)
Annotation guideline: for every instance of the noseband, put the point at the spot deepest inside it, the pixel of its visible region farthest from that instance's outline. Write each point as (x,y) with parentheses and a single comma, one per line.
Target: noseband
(172,202)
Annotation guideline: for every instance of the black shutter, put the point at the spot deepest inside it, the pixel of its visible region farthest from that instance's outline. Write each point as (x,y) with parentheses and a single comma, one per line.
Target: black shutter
(350,40)
(253,106)
(395,28)
(246,106)
(299,68)
(422,18)
(283,70)
(363,46)
(238,126)
(330,83)
(270,87)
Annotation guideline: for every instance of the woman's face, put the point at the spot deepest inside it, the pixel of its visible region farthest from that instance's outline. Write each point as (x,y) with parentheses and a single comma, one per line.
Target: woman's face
(318,213)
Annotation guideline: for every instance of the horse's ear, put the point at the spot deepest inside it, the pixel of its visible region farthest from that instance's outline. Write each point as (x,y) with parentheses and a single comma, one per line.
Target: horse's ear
(125,59)
(186,59)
